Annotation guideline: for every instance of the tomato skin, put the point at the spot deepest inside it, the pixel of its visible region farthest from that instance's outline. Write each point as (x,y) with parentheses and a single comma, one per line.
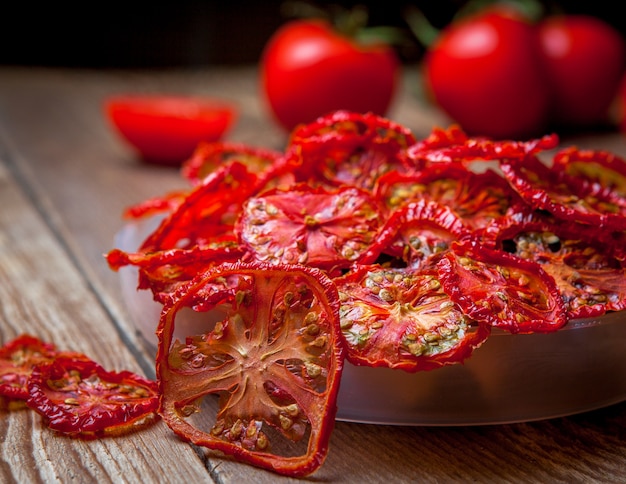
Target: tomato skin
(309,70)
(585,59)
(485,72)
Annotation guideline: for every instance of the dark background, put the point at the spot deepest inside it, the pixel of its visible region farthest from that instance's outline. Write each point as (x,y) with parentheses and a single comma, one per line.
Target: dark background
(189,33)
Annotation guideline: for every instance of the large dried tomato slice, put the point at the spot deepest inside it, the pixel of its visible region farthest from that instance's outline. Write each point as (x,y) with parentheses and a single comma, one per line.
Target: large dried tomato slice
(79,398)
(588,268)
(314,226)
(504,290)
(402,318)
(564,196)
(415,233)
(274,359)
(17,359)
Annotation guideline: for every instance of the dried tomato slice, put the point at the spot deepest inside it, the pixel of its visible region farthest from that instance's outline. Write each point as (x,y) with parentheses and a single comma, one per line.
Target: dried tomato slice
(605,172)
(207,215)
(17,359)
(346,148)
(564,196)
(314,226)
(506,291)
(415,233)
(209,157)
(164,271)
(589,270)
(479,149)
(157,205)
(401,318)
(79,398)
(273,358)
(478,198)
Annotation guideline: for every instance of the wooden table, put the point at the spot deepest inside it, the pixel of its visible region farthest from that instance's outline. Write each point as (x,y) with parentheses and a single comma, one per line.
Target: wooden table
(65,179)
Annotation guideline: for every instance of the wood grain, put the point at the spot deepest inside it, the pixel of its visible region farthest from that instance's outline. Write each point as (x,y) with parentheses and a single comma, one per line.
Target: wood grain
(65,179)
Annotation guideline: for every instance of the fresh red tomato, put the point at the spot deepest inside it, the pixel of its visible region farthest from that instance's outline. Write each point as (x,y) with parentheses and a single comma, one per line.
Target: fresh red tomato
(308,69)
(585,62)
(485,72)
(167,129)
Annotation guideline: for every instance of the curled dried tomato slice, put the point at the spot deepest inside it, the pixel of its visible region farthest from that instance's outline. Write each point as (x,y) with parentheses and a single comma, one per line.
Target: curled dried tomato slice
(314,226)
(478,198)
(207,215)
(564,196)
(157,205)
(17,359)
(479,149)
(273,358)
(209,157)
(347,148)
(501,289)
(79,398)
(589,270)
(415,233)
(162,272)
(402,318)
(605,172)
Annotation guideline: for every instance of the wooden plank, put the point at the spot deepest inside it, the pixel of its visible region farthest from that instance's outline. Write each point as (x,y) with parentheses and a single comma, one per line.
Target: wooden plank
(42,293)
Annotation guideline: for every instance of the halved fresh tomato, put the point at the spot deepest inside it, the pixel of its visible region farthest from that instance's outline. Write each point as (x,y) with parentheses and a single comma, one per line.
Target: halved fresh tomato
(168,128)
(274,359)
(501,289)
(79,398)
(401,318)
(304,225)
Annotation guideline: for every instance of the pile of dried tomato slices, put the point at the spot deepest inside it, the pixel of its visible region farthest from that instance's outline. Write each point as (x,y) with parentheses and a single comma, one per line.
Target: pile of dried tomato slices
(360,241)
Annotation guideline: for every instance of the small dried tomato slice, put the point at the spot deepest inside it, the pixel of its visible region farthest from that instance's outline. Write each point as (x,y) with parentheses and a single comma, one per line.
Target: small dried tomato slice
(274,359)
(209,157)
(588,269)
(479,149)
(402,319)
(314,226)
(501,289)
(162,272)
(17,359)
(415,233)
(157,205)
(605,172)
(79,398)
(564,196)
(347,148)
(207,215)
(478,198)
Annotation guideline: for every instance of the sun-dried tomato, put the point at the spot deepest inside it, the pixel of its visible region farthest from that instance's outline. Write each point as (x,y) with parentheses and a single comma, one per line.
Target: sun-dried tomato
(501,289)
(402,318)
(273,357)
(79,398)
(322,228)
(564,196)
(588,268)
